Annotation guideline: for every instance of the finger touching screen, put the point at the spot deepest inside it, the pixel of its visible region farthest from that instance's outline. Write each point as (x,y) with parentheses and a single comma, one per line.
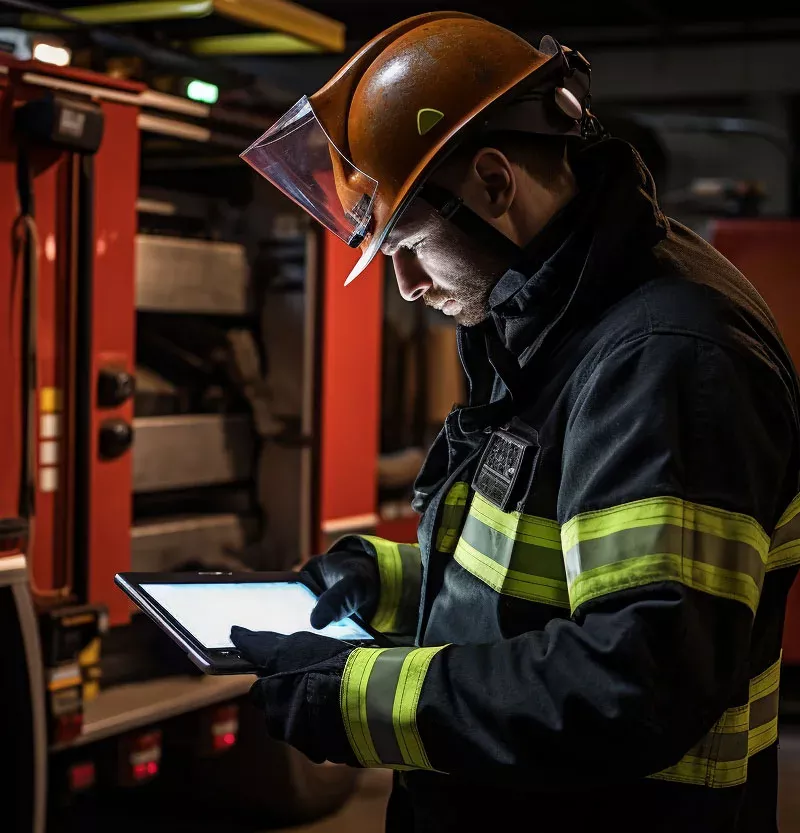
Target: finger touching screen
(209,611)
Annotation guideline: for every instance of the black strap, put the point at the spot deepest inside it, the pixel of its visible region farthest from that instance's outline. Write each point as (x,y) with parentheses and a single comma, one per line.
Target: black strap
(452,208)
(27,254)
(24,183)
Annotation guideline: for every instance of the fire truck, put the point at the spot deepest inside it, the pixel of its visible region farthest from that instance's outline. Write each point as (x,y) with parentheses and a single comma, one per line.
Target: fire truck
(178,366)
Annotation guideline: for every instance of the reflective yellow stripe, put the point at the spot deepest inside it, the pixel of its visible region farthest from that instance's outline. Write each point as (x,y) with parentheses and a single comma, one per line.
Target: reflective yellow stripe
(515,554)
(762,737)
(720,759)
(511,582)
(665,510)
(664,539)
(390,569)
(648,569)
(379,697)
(766,682)
(736,719)
(400,570)
(353,703)
(787,555)
(643,542)
(516,525)
(455,504)
(792,510)
(404,711)
(691,770)
(785,546)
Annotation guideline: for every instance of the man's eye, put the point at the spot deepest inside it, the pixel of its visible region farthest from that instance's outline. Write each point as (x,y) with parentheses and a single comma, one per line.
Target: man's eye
(414,248)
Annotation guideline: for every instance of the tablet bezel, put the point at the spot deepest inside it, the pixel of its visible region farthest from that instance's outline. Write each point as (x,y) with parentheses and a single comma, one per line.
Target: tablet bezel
(217,660)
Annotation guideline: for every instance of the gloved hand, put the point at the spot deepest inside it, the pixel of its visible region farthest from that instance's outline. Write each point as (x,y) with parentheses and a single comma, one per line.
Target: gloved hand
(298,690)
(351,582)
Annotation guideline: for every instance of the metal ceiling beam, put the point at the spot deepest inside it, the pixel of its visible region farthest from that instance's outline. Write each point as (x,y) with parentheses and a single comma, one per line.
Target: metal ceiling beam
(280,15)
(288,17)
(253,43)
(144,11)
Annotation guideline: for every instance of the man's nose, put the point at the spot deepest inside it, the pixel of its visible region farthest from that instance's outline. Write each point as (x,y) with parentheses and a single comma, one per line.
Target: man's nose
(412,279)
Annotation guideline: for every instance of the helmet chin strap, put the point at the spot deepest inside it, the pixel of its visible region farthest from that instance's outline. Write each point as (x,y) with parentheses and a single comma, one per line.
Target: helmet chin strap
(452,208)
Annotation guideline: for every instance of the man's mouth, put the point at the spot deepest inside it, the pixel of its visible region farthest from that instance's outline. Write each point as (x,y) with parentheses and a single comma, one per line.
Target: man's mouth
(451,307)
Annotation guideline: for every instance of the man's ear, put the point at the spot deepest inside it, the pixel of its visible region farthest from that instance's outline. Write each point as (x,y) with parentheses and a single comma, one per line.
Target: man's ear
(495,184)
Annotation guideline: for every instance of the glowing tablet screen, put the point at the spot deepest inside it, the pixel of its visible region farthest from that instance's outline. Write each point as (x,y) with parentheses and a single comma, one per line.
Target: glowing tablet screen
(208,611)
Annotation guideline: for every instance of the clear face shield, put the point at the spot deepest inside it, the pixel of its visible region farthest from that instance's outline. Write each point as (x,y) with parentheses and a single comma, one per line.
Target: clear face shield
(298,157)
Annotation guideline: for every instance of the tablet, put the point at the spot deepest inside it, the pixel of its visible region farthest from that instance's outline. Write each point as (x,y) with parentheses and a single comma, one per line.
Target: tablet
(198,610)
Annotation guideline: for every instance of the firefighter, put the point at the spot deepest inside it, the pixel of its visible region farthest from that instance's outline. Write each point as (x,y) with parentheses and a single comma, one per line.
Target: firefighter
(589,627)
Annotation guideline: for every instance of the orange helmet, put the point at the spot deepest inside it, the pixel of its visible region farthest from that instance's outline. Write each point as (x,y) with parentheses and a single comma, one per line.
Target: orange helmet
(357,152)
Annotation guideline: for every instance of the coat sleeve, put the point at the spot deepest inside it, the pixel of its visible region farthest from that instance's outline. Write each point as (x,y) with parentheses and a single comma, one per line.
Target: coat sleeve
(674,458)
(400,571)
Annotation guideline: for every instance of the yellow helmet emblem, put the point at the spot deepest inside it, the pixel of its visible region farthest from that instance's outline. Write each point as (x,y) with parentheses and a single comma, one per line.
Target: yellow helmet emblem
(427,119)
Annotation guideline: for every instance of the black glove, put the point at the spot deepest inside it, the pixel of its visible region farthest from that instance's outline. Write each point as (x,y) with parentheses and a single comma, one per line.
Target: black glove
(298,690)
(351,582)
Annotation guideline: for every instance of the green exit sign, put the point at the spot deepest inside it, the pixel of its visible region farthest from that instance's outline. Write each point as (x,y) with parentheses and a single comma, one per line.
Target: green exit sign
(202,91)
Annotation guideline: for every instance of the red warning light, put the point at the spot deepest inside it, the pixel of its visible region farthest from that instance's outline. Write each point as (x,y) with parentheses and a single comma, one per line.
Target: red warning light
(81,776)
(68,727)
(143,771)
(139,757)
(224,740)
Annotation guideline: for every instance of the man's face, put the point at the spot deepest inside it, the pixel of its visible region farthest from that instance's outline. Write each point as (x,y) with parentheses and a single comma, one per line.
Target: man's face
(437,262)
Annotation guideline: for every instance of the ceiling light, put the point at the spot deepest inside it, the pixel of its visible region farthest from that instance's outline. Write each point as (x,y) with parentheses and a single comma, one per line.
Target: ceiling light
(48,53)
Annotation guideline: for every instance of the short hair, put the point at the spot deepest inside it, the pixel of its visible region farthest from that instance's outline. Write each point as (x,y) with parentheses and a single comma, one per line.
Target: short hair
(542,156)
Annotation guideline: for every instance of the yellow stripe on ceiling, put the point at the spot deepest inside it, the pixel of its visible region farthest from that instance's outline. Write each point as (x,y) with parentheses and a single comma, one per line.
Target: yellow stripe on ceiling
(136,12)
(282,16)
(253,43)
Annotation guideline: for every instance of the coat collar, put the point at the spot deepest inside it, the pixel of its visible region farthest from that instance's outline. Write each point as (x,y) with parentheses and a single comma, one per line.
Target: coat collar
(583,251)
(584,258)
